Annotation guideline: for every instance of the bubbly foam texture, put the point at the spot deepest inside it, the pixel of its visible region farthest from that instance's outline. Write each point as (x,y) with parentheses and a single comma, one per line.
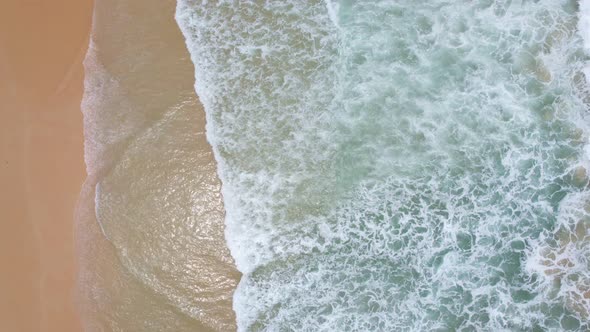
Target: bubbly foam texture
(584,23)
(392,166)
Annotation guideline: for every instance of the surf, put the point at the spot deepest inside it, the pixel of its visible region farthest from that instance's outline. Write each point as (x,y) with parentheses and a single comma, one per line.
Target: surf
(399,166)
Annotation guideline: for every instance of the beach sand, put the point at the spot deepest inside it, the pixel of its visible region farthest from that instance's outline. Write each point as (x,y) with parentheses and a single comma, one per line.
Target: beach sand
(42,45)
(42,171)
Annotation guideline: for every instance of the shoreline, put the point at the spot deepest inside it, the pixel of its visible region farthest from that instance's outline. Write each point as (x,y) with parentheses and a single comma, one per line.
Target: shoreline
(152,196)
(43,169)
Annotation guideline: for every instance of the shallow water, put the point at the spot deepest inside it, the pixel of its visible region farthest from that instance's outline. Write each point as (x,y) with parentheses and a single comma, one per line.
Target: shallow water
(150,217)
(399,165)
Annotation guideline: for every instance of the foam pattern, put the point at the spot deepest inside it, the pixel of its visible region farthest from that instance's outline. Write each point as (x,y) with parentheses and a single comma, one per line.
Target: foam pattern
(399,166)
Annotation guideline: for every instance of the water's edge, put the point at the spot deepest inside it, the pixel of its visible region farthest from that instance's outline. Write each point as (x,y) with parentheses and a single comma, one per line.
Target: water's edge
(152,256)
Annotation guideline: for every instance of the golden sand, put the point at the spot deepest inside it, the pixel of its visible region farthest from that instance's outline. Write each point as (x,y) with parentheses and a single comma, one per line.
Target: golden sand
(42,45)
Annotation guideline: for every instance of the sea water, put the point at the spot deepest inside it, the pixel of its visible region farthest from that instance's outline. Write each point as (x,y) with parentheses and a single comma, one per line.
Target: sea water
(150,216)
(400,165)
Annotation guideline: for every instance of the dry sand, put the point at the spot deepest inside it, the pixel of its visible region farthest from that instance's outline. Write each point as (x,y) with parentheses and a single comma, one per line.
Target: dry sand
(42,44)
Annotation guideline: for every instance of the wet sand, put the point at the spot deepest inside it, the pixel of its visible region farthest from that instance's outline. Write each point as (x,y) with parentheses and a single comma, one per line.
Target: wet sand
(42,45)
(149,223)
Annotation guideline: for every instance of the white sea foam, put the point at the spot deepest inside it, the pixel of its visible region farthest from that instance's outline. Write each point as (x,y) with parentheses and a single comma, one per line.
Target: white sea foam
(396,166)
(584,22)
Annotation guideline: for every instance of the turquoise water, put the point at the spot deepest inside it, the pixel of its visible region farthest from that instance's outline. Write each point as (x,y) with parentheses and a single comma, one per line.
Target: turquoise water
(399,166)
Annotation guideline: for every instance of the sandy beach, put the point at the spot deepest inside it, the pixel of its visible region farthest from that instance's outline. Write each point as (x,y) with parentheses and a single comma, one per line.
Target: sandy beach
(61,269)
(42,45)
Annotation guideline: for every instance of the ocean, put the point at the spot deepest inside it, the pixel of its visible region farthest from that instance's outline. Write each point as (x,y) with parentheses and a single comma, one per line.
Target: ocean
(400,165)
